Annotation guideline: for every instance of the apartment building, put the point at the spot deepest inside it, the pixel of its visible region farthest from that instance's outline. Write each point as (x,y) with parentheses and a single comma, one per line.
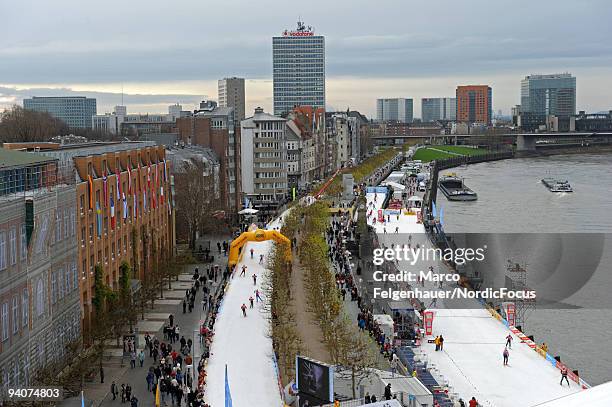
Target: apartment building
(215,128)
(40,312)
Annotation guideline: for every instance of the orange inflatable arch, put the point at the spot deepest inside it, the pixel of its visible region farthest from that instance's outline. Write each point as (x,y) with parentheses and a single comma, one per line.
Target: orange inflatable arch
(257,235)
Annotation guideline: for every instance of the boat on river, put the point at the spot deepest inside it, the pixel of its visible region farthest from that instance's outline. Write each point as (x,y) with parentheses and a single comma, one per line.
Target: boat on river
(557,185)
(455,189)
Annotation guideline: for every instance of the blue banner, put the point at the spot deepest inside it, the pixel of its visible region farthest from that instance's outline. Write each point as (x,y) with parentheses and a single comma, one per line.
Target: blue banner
(228,394)
(434,212)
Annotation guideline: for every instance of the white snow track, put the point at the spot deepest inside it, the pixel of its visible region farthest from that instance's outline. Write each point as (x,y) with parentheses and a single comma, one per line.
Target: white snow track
(472,361)
(243,343)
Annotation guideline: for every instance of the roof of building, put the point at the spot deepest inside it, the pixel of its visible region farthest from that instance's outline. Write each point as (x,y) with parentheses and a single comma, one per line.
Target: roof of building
(217,111)
(261,116)
(191,152)
(12,158)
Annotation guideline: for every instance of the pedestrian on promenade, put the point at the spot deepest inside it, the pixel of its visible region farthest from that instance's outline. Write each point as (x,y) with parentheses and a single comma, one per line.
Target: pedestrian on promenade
(184,306)
(141,357)
(114,390)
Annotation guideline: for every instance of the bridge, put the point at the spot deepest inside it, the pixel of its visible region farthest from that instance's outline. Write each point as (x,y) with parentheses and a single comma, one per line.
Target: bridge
(525,142)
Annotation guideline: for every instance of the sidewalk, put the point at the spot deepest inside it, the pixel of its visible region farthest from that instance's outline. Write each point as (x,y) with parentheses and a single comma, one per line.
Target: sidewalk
(153,324)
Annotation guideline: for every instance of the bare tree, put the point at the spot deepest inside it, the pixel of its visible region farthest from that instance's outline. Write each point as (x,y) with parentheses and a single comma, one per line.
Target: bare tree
(196,200)
(22,125)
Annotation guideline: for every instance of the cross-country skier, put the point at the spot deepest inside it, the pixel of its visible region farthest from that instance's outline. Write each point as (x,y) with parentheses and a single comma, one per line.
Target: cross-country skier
(257,296)
(243,272)
(506,356)
(254,279)
(252,251)
(243,308)
(251,301)
(261,258)
(509,341)
(564,376)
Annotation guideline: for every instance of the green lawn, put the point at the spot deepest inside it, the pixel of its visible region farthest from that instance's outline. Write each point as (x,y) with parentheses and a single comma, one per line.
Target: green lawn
(427,154)
(462,150)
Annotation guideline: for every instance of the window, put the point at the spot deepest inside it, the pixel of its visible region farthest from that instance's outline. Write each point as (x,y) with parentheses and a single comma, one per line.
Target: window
(15,315)
(75,276)
(58,226)
(5,322)
(24,242)
(13,244)
(60,284)
(67,279)
(2,250)
(82,202)
(40,298)
(66,223)
(53,287)
(25,307)
(72,223)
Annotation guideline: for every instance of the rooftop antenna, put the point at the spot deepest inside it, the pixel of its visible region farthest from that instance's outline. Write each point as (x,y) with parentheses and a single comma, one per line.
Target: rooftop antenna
(122,94)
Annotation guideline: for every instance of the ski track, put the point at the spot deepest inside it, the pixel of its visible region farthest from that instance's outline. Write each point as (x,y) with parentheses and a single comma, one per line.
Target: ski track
(243,343)
(474,341)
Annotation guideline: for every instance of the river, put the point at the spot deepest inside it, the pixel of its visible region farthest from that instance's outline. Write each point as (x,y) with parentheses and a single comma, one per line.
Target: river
(512,199)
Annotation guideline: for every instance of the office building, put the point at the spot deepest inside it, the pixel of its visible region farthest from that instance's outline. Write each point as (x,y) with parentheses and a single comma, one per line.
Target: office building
(434,109)
(137,125)
(394,110)
(475,104)
(546,95)
(298,59)
(75,111)
(214,127)
(40,312)
(264,160)
(231,94)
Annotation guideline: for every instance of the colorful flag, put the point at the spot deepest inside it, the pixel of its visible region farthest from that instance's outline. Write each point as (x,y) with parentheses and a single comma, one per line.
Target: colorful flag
(129,171)
(82,399)
(118,177)
(228,394)
(90,180)
(125,207)
(144,200)
(165,173)
(99,218)
(105,188)
(135,208)
(112,213)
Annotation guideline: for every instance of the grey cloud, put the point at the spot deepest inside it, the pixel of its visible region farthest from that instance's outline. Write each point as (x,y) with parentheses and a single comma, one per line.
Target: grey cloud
(105,100)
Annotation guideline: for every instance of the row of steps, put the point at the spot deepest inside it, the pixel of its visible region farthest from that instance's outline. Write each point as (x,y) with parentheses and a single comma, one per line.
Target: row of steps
(407,357)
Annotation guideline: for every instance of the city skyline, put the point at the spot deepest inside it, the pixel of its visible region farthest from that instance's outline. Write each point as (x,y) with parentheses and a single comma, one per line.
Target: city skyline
(372,61)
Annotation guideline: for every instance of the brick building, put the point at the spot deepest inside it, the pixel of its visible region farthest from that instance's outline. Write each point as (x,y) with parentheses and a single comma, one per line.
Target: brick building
(122,198)
(475,104)
(214,127)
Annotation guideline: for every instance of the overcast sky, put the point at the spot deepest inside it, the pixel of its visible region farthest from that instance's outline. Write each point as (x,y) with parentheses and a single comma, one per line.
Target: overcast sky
(174,51)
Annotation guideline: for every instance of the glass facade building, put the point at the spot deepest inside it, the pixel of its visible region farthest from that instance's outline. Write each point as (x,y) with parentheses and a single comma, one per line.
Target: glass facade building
(75,111)
(433,109)
(298,59)
(394,110)
(545,95)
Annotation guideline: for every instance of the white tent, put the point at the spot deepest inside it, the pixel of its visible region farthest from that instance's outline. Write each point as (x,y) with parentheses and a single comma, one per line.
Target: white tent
(596,396)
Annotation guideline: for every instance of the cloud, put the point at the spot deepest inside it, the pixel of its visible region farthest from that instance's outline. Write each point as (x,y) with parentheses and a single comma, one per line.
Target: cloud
(137,103)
